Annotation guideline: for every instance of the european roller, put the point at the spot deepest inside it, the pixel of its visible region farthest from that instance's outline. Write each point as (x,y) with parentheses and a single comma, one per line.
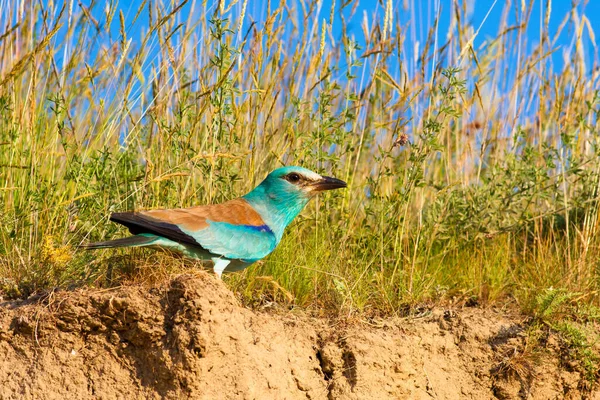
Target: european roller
(231,235)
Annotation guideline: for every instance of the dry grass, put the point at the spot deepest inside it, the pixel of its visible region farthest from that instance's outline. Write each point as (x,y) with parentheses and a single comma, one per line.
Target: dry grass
(479,180)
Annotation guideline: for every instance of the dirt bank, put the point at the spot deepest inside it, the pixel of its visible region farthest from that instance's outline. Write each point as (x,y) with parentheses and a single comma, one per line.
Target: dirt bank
(192,339)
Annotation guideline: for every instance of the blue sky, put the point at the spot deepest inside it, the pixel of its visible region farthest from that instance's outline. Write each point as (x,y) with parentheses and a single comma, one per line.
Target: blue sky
(413,17)
(416,17)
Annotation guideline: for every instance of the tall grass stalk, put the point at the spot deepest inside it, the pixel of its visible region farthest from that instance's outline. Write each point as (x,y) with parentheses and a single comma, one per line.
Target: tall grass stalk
(473,170)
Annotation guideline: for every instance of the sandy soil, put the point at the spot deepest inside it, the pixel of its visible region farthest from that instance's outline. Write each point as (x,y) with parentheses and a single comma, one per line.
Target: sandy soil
(191,339)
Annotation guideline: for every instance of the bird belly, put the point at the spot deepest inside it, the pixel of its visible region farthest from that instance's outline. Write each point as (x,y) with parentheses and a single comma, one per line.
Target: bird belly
(188,251)
(198,253)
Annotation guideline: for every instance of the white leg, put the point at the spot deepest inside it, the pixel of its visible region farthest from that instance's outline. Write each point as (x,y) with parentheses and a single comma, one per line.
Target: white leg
(220,265)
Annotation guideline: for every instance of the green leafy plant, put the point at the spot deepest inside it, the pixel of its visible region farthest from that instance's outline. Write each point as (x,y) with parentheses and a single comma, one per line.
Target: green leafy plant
(473,171)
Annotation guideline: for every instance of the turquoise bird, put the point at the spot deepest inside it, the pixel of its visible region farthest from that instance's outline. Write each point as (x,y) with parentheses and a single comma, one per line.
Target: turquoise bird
(234,234)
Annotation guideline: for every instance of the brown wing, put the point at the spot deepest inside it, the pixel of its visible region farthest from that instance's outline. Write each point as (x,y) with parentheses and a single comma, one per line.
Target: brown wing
(172,223)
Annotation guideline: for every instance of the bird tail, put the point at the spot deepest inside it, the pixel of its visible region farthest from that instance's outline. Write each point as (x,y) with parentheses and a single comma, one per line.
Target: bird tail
(131,241)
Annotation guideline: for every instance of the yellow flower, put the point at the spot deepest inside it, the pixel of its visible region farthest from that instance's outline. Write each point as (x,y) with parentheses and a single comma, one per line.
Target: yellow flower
(59,256)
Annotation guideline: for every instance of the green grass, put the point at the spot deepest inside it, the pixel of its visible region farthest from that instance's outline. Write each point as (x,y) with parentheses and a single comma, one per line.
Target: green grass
(474,206)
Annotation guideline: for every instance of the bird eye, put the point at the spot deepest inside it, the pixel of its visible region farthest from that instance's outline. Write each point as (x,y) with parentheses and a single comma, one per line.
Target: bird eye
(293,177)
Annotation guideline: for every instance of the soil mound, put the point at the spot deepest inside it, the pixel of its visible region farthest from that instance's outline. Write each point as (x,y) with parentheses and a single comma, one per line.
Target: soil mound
(191,339)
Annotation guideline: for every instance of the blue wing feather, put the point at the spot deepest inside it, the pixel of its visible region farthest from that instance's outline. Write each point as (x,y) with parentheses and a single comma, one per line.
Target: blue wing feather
(242,242)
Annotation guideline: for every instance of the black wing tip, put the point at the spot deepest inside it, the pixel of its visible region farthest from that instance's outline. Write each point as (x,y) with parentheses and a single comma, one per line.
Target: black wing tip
(138,223)
(131,220)
(122,215)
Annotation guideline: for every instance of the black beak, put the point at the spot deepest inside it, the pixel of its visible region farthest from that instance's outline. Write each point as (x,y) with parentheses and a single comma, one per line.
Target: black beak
(328,183)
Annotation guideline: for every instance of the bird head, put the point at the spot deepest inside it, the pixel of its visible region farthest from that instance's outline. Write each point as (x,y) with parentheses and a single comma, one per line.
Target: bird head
(286,191)
(298,183)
